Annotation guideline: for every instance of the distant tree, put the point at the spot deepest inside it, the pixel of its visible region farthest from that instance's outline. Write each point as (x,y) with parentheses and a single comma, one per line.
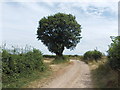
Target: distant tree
(58,32)
(93,55)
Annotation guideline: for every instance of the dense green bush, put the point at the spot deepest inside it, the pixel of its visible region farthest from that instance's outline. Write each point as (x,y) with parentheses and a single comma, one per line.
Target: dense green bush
(114,53)
(90,55)
(14,65)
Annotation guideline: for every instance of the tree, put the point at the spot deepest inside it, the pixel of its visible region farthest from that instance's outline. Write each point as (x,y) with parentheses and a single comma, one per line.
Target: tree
(90,55)
(114,53)
(58,32)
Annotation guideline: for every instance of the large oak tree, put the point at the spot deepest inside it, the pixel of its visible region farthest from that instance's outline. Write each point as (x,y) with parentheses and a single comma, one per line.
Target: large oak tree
(58,32)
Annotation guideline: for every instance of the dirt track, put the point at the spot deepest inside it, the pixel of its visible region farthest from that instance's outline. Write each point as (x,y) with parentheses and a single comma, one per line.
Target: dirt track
(76,75)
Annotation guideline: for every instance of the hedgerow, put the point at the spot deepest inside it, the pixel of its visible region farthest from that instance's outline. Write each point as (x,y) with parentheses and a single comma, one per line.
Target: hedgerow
(16,64)
(114,53)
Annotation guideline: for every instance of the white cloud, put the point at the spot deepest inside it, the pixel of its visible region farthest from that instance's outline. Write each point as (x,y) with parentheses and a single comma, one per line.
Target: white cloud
(60,0)
(20,23)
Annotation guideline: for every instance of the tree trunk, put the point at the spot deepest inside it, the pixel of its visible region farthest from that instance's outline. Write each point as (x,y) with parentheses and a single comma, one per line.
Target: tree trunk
(59,53)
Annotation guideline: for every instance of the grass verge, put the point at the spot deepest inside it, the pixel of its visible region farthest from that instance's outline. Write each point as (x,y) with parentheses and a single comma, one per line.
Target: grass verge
(102,74)
(23,80)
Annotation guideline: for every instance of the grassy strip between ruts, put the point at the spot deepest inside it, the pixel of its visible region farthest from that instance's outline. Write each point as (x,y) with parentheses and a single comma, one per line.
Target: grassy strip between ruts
(102,75)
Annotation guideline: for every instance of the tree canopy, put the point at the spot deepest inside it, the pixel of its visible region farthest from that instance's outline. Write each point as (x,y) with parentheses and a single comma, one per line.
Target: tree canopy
(58,32)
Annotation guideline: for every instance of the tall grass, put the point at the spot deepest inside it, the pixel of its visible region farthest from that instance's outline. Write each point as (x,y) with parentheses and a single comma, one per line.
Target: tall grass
(103,75)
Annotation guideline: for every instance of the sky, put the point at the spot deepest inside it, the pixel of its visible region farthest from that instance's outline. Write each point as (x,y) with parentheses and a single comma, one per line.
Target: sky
(98,18)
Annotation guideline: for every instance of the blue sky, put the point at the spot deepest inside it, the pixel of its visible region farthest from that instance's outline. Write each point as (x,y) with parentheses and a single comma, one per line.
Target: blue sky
(99,21)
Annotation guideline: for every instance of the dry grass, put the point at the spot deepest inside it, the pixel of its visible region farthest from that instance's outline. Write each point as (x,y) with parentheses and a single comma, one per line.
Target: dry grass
(46,76)
(102,75)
